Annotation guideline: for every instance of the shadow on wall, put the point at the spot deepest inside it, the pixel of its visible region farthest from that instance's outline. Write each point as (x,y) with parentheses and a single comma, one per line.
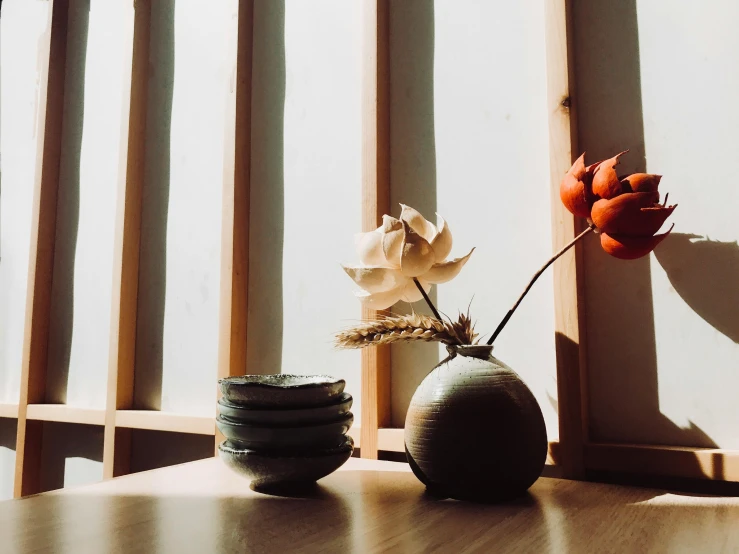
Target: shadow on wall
(705,273)
(412,164)
(267,212)
(155,208)
(622,355)
(155,449)
(68,206)
(63,442)
(646,407)
(7,433)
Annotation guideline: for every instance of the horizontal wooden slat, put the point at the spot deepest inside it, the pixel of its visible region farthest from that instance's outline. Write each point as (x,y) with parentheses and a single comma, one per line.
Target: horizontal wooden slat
(673,461)
(66,414)
(8,410)
(390,440)
(165,421)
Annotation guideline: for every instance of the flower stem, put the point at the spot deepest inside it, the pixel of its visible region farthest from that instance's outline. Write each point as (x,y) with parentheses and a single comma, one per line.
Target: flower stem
(427,299)
(503,323)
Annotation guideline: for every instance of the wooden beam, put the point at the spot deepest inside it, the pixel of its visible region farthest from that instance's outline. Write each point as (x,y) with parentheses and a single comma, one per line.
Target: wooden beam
(236,196)
(8,410)
(154,420)
(122,352)
(568,293)
(65,414)
(391,440)
(673,461)
(375,399)
(53,61)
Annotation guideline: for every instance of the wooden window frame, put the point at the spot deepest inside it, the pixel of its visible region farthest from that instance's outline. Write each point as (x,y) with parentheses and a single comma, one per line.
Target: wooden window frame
(574,453)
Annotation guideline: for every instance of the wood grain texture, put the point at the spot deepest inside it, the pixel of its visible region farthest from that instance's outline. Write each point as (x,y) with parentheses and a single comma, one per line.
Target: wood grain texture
(393,440)
(52,68)
(674,461)
(122,352)
(568,293)
(8,410)
(375,400)
(236,201)
(66,414)
(165,421)
(367,506)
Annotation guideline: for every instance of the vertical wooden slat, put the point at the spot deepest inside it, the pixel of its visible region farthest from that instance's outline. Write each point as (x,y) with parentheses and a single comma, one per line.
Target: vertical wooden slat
(236,193)
(375,401)
(52,58)
(568,294)
(122,353)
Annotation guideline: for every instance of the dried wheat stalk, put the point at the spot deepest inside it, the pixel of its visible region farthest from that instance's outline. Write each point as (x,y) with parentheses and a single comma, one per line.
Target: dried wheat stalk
(406,328)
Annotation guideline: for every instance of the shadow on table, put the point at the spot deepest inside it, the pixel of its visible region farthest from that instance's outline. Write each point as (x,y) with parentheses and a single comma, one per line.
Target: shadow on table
(369,511)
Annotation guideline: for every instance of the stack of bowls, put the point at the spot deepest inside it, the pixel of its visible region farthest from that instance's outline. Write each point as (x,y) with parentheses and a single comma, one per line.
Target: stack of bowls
(284,428)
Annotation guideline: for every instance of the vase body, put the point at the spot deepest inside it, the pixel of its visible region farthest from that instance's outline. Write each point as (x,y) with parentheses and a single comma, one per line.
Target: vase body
(474,430)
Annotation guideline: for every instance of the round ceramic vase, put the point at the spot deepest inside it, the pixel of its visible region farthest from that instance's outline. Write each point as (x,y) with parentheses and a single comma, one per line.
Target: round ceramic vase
(474,430)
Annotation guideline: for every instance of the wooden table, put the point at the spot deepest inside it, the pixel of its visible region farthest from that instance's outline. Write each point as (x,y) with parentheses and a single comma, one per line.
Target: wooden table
(367,506)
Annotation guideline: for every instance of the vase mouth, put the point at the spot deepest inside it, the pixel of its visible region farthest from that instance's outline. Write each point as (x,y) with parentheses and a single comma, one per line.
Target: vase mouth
(482,351)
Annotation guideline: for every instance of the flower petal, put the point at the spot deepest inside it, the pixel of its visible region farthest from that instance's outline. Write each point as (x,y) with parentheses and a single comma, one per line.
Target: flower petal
(392,245)
(606,183)
(416,256)
(374,279)
(441,273)
(442,243)
(630,248)
(418,223)
(632,213)
(389,223)
(369,247)
(411,293)
(642,182)
(574,189)
(379,300)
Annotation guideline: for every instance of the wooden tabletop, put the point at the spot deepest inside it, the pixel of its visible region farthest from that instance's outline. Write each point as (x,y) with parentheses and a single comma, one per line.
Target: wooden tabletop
(367,506)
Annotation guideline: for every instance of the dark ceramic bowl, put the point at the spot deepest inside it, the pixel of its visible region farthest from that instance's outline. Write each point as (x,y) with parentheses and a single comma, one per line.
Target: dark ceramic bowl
(281,390)
(266,468)
(272,437)
(292,416)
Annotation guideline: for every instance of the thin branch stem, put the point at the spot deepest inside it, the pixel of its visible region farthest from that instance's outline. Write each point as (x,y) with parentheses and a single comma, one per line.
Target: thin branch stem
(427,299)
(503,323)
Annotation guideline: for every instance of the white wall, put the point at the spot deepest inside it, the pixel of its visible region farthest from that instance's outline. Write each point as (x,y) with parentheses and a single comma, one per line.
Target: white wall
(470,140)
(177,340)
(21,26)
(322,186)
(663,331)
(79,332)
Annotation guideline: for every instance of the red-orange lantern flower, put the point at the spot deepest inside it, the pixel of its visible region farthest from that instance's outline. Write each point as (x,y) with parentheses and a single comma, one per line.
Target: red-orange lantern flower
(626,210)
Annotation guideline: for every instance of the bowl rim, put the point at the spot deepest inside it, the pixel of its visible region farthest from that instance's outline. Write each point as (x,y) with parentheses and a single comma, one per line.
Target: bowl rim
(344,418)
(256,381)
(343,398)
(346,446)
